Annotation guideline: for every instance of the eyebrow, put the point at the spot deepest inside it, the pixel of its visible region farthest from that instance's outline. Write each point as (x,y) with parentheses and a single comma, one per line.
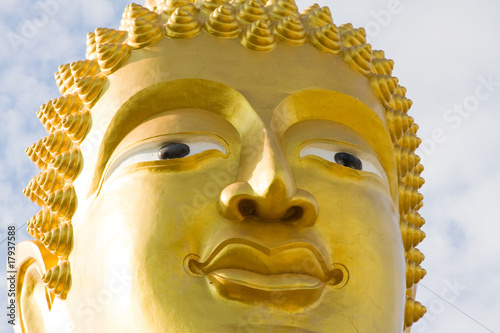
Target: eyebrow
(329,105)
(161,97)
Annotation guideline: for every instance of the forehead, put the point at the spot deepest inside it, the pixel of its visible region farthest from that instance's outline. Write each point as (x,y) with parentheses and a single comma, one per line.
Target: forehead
(263,78)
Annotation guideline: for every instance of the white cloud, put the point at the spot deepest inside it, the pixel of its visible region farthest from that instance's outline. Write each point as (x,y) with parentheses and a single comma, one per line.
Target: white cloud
(105,16)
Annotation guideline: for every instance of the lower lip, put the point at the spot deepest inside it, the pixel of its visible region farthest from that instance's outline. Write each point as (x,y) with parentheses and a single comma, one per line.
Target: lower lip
(287,291)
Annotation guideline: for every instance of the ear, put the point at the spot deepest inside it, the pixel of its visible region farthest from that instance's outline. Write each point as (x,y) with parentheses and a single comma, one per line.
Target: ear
(32,298)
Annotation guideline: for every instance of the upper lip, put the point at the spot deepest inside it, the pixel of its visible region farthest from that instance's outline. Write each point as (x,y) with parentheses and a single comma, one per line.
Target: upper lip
(291,258)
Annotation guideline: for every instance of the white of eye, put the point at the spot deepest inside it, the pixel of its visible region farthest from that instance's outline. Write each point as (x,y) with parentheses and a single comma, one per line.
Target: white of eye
(157,151)
(343,158)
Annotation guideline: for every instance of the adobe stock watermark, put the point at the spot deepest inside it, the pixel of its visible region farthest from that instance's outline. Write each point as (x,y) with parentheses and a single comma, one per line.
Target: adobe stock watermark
(119,283)
(30,28)
(260,314)
(455,115)
(438,305)
(382,18)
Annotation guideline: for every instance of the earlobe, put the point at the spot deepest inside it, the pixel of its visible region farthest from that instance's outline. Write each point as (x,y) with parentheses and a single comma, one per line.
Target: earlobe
(32,298)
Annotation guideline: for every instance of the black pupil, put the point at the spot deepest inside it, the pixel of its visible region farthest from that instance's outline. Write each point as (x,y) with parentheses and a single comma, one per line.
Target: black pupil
(348,160)
(173,150)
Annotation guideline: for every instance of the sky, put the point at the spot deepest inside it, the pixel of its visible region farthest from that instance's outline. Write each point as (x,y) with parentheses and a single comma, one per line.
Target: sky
(446,53)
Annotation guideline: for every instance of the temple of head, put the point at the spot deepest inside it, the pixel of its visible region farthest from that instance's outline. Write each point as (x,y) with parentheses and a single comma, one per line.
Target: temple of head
(224,166)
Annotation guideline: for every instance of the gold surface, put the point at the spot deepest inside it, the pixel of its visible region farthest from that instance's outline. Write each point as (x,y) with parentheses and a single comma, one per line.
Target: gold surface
(258,229)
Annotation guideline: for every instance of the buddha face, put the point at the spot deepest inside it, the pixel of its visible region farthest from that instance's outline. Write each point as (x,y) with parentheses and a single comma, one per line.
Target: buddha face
(237,192)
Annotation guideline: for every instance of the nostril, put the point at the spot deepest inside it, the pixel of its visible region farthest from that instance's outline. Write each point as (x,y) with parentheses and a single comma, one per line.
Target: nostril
(293,213)
(247,207)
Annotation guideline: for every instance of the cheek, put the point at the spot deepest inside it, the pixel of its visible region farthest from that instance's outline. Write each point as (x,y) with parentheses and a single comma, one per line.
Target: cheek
(360,225)
(349,204)
(352,212)
(359,219)
(361,229)
(165,215)
(143,224)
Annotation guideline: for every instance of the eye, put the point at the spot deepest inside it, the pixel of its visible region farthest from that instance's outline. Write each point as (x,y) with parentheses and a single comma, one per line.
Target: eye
(173,150)
(159,151)
(361,160)
(348,160)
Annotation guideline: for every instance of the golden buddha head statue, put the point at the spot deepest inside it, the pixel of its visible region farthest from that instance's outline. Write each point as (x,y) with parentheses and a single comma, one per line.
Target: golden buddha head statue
(224,166)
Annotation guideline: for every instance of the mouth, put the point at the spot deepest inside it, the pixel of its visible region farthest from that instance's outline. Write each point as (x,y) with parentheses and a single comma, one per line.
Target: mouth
(290,276)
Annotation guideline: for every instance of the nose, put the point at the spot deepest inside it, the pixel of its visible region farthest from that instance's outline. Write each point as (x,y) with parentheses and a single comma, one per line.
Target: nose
(266,190)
